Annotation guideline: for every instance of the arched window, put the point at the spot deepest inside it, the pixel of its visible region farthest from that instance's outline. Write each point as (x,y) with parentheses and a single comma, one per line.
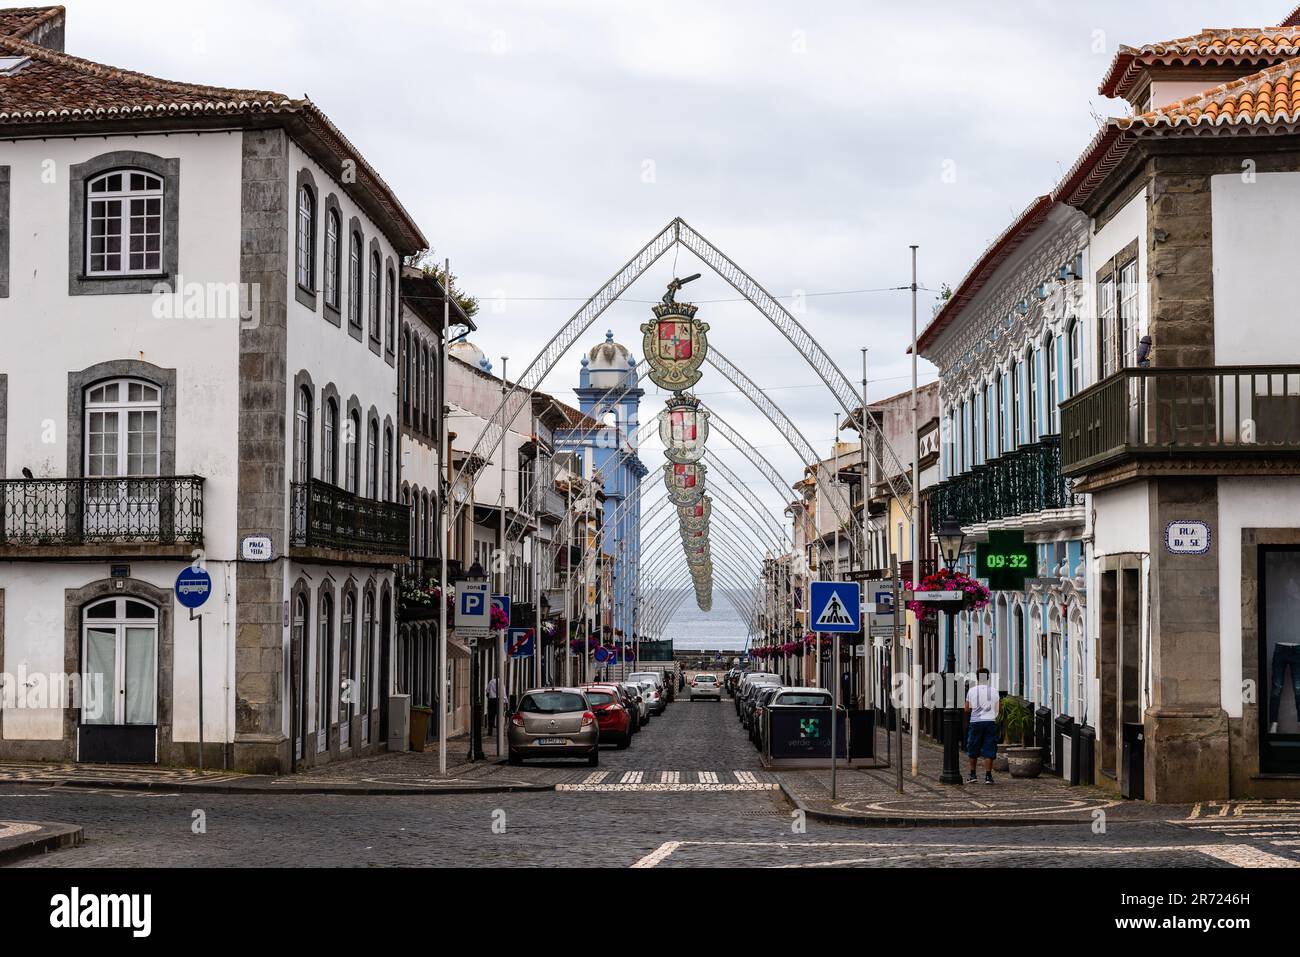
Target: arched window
(421,355)
(299,678)
(412,378)
(356,292)
(367,652)
(347,683)
(388,464)
(402,359)
(1031,373)
(324,671)
(435,410)
(352,468)
(1000,420)
(1076,358)
(302,436)
(124,223)
(329,449)
(376,269)
(122,429)
(333,258)
(1017,407)
(119,655)
(390,310)
(306,238)
(1053,388)
(372,460)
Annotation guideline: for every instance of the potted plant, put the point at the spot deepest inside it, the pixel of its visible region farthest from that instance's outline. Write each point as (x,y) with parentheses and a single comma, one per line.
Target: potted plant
(1015,721)
(420,718)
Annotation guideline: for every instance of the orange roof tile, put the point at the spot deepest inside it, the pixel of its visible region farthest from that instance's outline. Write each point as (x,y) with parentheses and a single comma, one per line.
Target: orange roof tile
(1269,96)
(1247,47)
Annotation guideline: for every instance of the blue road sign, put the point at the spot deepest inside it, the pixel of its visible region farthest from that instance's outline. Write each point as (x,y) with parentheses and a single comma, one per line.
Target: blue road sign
(836,606)
(502,602)
(193,586)
(519,642)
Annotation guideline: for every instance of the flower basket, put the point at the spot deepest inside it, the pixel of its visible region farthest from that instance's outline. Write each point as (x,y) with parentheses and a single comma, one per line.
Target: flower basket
(975,594)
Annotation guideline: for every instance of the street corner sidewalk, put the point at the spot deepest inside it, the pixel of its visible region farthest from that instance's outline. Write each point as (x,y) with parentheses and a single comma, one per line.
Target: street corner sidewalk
(409,773)
(870,797)
(24,838)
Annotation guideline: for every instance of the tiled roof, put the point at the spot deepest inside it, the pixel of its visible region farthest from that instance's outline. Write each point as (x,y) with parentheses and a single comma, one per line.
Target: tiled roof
(22,22)
(1269,96)
(60,94)
(997,253)
(1248,48)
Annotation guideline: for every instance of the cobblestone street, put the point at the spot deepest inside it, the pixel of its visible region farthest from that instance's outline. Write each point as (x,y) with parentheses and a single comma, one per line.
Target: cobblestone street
(641,822)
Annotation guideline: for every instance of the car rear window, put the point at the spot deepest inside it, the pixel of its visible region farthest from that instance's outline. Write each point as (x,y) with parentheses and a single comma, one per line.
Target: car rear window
(706,677)
(809,699)
(552,702)
(599,697)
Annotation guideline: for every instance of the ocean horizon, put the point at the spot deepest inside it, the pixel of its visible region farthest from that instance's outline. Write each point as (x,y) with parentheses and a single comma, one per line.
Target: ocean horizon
(720,628)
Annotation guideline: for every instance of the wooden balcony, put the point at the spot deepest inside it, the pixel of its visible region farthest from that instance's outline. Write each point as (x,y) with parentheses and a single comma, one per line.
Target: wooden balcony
(1222,420)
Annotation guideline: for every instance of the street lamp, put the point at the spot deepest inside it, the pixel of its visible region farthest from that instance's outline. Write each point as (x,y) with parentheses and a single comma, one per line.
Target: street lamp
(478,575)
(951,538)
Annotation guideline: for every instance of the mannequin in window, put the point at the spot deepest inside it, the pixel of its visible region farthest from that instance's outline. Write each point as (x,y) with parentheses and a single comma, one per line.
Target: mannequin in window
(1285,655)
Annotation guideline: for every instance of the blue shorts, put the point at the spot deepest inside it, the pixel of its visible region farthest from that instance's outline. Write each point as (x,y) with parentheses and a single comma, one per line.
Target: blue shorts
(982,739)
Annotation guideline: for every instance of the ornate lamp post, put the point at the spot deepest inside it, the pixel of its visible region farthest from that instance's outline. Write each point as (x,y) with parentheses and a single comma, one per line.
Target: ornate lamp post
(951,538)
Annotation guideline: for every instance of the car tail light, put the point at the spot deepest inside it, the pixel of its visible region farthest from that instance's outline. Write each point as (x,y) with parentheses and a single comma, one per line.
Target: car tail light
(588,719)
(517,720)
(692,684)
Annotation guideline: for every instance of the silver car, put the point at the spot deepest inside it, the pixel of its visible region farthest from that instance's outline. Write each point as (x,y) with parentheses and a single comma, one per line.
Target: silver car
(637,694)
(554,723)
(657,699)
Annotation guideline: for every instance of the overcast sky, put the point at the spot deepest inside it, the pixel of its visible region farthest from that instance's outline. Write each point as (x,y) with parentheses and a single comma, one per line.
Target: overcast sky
(541,144)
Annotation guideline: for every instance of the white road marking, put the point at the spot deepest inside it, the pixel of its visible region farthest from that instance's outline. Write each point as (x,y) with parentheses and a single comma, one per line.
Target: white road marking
(632,777)
(595,777)
(1237,855)
(708,777)
(653,786)
(744,777)
(671,777)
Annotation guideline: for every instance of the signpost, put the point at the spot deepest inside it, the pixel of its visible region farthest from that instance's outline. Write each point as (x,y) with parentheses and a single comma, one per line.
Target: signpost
(837,609)
(473,612)
(519,642)
(193,588)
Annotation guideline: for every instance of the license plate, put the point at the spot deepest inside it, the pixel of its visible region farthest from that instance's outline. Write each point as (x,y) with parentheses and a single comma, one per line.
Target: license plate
(545,741)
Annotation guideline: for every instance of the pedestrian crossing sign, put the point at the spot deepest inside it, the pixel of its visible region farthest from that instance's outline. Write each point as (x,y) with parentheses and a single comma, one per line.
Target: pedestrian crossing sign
(837,607)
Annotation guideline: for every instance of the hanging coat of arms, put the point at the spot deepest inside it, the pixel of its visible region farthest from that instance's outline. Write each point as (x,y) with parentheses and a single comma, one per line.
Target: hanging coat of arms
(684,429)
(675,344)
(685,483)
(696,516)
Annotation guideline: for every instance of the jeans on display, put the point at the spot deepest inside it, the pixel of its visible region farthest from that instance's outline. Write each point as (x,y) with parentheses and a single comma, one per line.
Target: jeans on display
(1284,657)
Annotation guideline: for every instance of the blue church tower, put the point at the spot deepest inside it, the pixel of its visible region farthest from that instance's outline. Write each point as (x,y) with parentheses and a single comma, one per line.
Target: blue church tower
(610,365)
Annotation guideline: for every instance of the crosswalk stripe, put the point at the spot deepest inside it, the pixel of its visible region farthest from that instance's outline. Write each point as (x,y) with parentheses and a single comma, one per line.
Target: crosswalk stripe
(632,777)
(670,777)
(595,777)
(708,777)
(744,777)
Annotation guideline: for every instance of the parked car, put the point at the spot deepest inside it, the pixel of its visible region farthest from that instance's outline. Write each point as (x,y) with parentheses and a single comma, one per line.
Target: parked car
(554,723)
(706,686)
(764,695)
(648,695)
(613,719)
(636,695)
(655,699)
(751,696)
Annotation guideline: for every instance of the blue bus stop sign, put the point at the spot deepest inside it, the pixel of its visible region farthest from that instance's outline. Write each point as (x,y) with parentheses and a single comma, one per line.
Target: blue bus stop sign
(193,586)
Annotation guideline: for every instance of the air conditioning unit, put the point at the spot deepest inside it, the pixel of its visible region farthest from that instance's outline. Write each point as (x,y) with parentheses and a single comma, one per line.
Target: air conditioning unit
(399,722)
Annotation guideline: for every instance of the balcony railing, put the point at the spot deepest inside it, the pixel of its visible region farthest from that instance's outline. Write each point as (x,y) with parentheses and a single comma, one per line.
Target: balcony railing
(552,504)
(70,512)
(1238,410)
(1022,482)
(326,516)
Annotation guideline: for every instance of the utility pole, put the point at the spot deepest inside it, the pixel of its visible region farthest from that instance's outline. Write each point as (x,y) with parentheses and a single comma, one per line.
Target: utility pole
(916,551)
(867,654)
(502,558)
(440,692)
(570,524)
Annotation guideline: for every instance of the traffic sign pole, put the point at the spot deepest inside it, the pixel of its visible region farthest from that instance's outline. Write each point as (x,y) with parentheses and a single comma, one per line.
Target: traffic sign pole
(193,588)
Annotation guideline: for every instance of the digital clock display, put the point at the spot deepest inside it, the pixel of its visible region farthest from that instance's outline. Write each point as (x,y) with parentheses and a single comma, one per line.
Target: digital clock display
(1005,560)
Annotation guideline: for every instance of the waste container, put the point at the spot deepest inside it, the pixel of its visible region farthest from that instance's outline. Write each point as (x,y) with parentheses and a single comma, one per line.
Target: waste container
(1061,734)
(1132,772)
(1043,734)
(1085,749)
(399,722)
(862,734)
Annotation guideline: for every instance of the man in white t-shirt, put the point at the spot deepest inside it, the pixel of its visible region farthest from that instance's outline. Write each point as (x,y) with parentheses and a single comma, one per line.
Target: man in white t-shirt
(982,734)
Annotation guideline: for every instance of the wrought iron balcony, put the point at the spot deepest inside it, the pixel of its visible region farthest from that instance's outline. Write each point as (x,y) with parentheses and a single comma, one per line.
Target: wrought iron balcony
(1224,410)
(326,516)
(552,505)
(1023,482)
(50,513)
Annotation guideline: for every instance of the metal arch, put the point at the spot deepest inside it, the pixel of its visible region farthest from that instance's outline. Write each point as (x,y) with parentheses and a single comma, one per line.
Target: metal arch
(756,458)
(665,544)
(462,484)
(781,535)
(682,582)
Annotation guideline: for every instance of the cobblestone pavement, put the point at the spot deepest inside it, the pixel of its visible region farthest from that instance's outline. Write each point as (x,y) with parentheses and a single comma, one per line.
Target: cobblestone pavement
(637,826)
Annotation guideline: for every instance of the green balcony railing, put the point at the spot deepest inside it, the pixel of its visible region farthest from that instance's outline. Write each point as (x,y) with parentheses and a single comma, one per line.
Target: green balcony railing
(1238,410)
(326,516)
(1022,482)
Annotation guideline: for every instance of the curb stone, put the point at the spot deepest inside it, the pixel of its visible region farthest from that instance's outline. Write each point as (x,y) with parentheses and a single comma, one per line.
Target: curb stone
(50,837)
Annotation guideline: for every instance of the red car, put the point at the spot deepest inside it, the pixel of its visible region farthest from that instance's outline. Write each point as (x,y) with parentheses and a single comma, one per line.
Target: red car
(614,720)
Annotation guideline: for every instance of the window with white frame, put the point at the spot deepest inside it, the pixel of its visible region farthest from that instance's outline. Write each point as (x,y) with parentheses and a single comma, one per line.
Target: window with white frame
(390,311)
(1128,312)
(1107,305)
(388,465)
(1017,404)
(124,231)
(119,652)
(306,238)
(352,451)
(1076,358)
(1053,386)
(376,268)
(333,258)
(999,388)
(356,292)
(329,447)
(123,421)
(372,460)
(302,436)
(1031,372)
